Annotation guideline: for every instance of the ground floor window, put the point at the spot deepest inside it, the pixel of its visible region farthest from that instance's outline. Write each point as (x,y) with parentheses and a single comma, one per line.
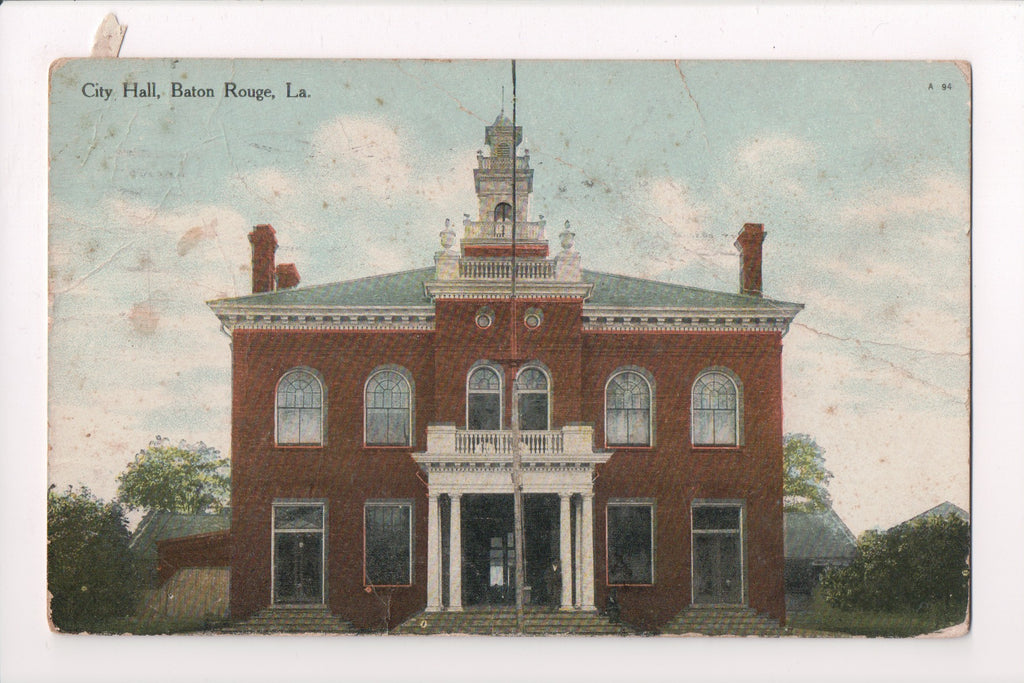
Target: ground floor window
(298,553)
(388,543)
(717,552)
(630,543)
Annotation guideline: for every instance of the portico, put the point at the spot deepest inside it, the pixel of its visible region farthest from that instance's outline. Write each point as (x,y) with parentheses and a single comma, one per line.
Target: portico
(462,463)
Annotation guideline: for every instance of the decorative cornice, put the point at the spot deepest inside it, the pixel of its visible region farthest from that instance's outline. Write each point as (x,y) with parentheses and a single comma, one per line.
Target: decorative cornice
(768,318)
(256,317)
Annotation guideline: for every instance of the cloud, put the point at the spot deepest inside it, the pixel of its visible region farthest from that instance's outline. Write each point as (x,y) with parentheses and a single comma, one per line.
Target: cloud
(354,154)
(775,161)
(937,194)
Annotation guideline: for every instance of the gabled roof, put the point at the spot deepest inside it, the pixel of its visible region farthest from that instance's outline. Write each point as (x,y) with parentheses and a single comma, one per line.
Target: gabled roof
(160,526)
(818,536)
(941,510)
(405,289)
(622,290)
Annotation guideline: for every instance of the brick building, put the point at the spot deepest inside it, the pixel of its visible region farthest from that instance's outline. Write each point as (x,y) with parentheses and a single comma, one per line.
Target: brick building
(372,429)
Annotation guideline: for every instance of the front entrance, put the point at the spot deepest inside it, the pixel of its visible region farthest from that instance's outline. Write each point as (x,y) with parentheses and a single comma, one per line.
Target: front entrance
(298,554)
(488,550)
(717,554)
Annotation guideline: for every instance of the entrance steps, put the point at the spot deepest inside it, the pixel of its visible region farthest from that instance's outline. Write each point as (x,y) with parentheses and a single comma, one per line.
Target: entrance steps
(722,620)
(291,620)
(494,621)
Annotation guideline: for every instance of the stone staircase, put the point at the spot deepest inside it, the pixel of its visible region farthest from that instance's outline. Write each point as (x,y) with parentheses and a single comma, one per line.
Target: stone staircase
(493,621)
(291,620)
(722,620)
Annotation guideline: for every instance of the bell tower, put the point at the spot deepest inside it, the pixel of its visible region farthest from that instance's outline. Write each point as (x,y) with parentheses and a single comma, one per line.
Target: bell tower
(490,235)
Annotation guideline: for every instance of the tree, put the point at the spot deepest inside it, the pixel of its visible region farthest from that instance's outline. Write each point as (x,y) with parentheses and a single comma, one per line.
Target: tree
(187,478)
(916,566)
(91,575)
(805,482)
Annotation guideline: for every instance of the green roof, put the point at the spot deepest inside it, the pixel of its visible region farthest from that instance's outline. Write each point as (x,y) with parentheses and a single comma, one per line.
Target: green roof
(160,526)
(622,290)
(818,536)
(405,288)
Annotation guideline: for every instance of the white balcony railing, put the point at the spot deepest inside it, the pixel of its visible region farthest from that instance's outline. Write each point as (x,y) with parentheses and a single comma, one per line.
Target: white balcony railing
(501,269)
(525,230)
(501,443)
(570,440)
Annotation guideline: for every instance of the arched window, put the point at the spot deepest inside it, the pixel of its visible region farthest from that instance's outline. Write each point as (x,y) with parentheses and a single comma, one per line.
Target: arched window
(627,407)
(503,212)
(483,398)
(300,409)
(388,409)
(532,386)
(716,410)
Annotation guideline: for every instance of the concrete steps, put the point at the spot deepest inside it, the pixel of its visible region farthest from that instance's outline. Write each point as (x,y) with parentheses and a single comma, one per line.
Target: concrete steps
(488,621)
(291,620)
(722,620)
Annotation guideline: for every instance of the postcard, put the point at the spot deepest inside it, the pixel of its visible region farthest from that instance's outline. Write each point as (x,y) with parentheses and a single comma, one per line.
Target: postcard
(494,347)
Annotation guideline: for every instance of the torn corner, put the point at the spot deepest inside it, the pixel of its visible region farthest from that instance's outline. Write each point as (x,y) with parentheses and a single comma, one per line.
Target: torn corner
(965,70)
(109,37)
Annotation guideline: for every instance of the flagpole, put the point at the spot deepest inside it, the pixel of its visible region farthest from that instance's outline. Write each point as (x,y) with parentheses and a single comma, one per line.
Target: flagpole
(517,456)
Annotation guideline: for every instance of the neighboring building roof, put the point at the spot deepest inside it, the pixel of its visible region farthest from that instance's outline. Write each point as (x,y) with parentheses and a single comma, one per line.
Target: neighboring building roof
(818,536)
(405,289)
(160,526)
(940,510)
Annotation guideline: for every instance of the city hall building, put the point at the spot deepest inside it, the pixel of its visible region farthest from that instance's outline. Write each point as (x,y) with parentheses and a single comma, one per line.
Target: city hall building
(372,429)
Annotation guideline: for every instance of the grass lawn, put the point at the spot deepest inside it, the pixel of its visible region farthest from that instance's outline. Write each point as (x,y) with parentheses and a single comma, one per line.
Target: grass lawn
(822,618)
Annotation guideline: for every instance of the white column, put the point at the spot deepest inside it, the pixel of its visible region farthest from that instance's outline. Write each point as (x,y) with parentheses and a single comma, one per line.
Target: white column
(587,553)
(565,548)
(455,554)
(433,554)
(577,510)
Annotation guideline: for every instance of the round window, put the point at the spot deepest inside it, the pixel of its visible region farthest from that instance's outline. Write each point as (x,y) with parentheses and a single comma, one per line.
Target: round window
(484,317)
(533,318)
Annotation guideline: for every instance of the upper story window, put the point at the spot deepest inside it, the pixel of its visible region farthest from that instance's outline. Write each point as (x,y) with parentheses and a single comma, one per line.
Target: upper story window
(503,212)
(388,408)
(533,388)
(716,408)
(483,398)
(628,409)
(300,408)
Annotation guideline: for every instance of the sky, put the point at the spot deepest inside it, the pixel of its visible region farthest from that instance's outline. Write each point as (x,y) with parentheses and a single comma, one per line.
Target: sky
(858,170)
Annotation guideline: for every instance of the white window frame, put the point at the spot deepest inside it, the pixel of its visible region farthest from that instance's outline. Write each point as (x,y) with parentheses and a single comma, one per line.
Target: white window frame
(397,502)
(298,502)
(497,370)
(737,412)
(406,376)
(318,378)
(742,531)
(630,502)
(535,365)
(649,380)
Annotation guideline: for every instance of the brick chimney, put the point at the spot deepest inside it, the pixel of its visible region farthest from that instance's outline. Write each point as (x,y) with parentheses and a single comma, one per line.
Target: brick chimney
(287,276)
(749,244)
(264,244)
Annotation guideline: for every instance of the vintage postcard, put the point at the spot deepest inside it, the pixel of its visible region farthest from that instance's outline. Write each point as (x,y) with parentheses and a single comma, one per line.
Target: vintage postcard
(590,348)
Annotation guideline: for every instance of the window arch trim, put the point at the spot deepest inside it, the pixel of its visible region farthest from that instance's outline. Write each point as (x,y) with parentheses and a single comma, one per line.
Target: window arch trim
(543,369)
(409,409)
(302,414)
(737,410)
(648,379)
(499,392)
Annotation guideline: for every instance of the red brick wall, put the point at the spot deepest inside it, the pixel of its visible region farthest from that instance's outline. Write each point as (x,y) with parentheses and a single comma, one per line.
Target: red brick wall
(342,472)
(675,473)
(345,473)
(200,550)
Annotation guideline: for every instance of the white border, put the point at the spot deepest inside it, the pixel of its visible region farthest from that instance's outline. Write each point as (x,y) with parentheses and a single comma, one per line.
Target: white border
(985,33)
